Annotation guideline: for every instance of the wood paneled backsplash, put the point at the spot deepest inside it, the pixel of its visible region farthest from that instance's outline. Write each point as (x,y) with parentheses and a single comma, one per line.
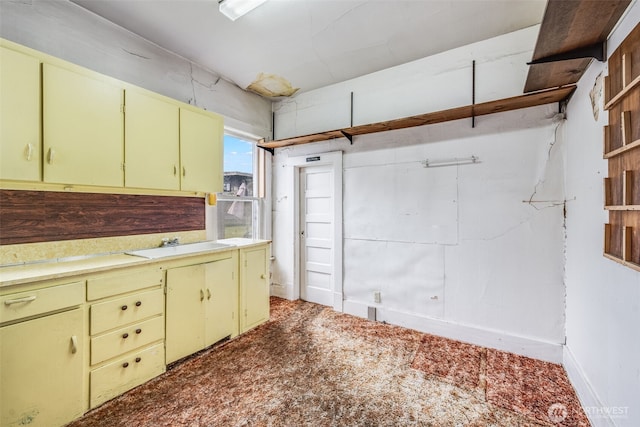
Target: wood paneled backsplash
(44,216)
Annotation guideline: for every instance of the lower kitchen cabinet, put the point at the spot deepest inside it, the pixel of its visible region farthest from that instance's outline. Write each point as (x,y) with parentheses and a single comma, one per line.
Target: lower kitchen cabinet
(126,327)
(123,374)
(41,370)
(254,286)
(72,344)
(201,305)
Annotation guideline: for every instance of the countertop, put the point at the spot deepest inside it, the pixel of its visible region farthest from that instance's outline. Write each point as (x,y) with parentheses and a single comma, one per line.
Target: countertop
(92,263)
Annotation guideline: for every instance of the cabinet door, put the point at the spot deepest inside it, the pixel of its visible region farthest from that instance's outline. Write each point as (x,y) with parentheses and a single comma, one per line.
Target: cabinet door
(152,145)
(20,147)
(254,287)
(221,293)
(201,151)
(185,311)
(83,129)
(41,370)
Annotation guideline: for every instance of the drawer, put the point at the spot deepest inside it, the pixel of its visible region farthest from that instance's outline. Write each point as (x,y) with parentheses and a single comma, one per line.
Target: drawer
(25,304)
(126,373)
(126,339)
(122,311)
(126,281)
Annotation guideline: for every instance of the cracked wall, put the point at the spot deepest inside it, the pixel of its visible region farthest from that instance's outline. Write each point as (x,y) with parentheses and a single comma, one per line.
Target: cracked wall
(464,245)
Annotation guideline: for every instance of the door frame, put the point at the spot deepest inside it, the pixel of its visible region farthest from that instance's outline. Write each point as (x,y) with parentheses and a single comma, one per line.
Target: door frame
(295,164)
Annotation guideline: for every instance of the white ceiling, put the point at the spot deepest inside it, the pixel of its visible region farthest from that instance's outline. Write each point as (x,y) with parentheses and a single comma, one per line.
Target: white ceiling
(315,43)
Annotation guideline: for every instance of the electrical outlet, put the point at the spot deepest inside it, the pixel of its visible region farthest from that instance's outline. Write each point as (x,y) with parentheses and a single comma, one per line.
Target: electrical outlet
(377,297)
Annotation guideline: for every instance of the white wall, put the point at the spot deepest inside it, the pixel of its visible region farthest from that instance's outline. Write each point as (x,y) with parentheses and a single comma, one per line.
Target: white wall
(456,251)
(602,354)
(435,83)
(67,31)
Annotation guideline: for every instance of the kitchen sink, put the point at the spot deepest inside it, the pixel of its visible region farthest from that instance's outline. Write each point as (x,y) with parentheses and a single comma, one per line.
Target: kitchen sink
(185,249)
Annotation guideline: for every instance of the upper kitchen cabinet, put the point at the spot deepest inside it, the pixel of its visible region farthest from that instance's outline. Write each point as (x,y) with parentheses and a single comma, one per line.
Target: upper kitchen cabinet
(200,151)
(152,147)
(20,142)
(83,128)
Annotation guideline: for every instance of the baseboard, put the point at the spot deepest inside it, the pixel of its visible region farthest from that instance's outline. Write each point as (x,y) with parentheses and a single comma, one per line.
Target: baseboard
(541,350)
(595,410)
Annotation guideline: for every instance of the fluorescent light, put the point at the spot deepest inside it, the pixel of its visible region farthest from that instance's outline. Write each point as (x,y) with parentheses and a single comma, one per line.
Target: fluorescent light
(234,9)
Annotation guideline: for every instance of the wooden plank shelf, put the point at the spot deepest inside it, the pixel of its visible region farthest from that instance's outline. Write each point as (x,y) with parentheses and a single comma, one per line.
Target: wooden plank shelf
(567,28)
(622,207)
(467,111)
(629,264)
(620,95)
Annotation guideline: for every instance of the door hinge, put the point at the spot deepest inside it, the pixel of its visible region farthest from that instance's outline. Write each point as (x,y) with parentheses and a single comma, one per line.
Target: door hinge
(122,108)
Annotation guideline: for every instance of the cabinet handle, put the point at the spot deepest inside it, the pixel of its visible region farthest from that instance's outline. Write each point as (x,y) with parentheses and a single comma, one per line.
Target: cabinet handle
(184,171)
(138,303)
(124,307)
(50,156)
(125,336)
(28,152)
(125,365)
(262,276)
(74,344)
(208,294)
(201,295)
(20,300)
(138,359)
(175,170)
(138,331)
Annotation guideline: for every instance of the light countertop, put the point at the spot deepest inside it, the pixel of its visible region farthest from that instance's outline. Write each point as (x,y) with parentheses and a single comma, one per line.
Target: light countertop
(60,268)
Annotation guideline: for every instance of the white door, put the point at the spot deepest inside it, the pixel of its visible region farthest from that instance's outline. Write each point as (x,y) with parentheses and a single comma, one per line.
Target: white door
(317,243)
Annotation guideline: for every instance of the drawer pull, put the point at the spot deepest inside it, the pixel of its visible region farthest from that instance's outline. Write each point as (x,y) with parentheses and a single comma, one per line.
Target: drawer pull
(263,276)
(125,365)
(138,331)
(138,359)
(125,336)
(208,294)
(138,303)
(74,344)
(124,307)
(20,300)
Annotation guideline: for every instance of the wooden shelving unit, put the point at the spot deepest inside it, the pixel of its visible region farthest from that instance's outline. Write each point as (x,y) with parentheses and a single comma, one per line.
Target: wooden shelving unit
(621,144)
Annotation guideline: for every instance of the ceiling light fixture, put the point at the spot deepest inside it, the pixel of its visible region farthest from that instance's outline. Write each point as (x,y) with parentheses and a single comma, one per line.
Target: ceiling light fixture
(234,9)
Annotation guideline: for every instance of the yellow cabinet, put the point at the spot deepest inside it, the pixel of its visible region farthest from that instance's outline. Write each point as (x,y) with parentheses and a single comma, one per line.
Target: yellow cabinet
(83,129)
(152,145)
(20,144)
(201,306)
(201,151)
(126,327)
(41,370)
(254,286)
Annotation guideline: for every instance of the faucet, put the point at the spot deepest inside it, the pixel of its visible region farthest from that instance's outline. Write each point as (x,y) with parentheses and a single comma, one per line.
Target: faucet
(170,242)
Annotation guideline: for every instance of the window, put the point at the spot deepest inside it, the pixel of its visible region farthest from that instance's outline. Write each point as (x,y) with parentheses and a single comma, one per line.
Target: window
(239,210)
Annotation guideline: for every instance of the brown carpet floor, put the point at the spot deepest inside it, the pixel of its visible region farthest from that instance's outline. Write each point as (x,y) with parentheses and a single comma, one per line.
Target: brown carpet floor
(311,366)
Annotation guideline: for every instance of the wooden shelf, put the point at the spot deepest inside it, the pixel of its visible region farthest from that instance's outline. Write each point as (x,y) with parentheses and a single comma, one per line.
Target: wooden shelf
(498,106)
(629,264)
(568,26)
(622,188)
(622,208)
(622,93)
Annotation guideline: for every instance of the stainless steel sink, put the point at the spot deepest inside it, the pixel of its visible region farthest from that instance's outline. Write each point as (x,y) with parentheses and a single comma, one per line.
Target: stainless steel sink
(185,249)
